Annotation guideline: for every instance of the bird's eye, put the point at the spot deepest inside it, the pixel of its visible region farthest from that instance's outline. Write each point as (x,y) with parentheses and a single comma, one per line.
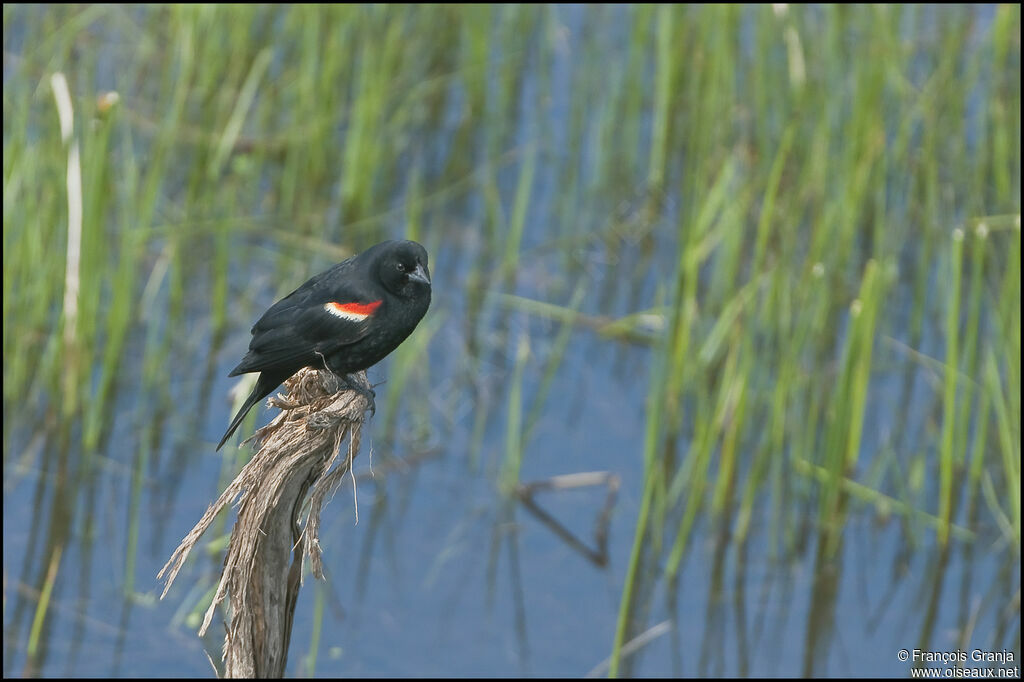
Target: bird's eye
(400,266)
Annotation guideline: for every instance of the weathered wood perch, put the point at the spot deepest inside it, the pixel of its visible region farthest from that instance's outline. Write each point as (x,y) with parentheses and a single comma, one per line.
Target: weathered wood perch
(261,578)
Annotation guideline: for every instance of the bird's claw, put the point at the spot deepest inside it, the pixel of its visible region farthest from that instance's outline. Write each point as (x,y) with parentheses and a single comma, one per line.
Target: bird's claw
(362,390)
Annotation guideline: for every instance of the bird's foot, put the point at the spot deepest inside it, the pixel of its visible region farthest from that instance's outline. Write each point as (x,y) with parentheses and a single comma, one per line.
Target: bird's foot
(348,384)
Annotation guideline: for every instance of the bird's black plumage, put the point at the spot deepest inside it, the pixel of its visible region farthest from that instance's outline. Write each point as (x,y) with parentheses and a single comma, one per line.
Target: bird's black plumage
(346,319)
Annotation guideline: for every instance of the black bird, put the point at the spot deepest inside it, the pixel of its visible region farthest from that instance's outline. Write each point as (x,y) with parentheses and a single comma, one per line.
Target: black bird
(344,319)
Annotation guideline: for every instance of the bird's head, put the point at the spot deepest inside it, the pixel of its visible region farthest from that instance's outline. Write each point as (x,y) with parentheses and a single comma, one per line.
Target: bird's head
(402,267)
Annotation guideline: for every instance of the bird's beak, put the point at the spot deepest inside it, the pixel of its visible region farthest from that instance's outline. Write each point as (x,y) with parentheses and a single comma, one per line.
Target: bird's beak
(420,274)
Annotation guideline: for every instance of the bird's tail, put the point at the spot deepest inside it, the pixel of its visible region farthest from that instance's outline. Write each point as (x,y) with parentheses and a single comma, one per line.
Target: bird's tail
(264,385)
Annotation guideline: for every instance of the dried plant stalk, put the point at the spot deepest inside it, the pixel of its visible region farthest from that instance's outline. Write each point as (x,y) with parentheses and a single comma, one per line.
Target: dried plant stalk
(261,578)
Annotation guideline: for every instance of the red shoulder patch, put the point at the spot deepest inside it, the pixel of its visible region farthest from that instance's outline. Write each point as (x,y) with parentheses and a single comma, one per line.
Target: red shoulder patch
(352,311)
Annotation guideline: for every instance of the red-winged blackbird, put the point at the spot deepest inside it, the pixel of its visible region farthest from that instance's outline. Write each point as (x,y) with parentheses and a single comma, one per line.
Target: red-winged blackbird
(345,319)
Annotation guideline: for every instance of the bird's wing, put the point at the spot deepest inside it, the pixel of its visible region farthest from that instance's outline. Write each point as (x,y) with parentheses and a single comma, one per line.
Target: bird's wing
(323,315)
